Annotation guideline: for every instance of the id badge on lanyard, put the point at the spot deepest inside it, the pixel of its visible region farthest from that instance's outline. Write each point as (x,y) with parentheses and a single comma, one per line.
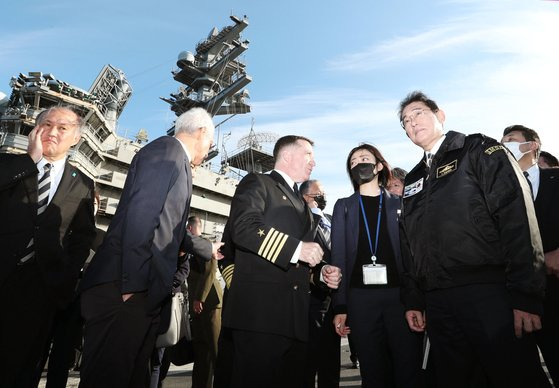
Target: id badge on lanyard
(373,273)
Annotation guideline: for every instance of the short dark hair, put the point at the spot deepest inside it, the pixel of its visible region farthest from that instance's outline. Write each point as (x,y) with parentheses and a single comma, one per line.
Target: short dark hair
(416,95)
(399,173)
(192,220)
(306,185)
(383,176)
(529,134)
(287,141)
(549,159)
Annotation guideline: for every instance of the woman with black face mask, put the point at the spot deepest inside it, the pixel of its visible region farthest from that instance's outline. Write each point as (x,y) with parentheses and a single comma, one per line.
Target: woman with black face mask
(366,246)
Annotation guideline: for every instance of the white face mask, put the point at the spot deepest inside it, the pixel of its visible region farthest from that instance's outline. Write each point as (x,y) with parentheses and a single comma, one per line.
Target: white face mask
(514,148)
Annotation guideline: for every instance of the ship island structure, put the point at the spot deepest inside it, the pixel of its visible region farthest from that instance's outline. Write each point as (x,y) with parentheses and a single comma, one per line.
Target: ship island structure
(214,78)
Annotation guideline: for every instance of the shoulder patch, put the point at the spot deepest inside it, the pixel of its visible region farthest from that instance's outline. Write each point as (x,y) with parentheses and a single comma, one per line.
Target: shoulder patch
(413,189)
(494,148)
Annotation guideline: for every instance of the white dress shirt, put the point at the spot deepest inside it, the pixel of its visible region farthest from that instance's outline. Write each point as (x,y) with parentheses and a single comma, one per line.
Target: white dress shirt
(291,182)
(534,178)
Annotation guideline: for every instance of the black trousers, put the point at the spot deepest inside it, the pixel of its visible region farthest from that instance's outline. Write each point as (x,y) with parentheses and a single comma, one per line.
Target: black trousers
(66,337)
(119,338)
(471,330)
(323,358)
(548,338)
(225,358)
(25,326)
(389,353)
(267,360)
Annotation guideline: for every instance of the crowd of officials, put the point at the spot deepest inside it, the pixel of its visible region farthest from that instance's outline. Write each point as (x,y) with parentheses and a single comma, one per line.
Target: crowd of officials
(446,276)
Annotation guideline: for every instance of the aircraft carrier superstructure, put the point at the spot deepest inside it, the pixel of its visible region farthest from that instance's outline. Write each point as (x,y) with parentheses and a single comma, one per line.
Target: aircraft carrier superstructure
(213,78)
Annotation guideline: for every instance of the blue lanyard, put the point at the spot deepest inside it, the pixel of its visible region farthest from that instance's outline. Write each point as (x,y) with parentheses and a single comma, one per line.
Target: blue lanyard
(367,224)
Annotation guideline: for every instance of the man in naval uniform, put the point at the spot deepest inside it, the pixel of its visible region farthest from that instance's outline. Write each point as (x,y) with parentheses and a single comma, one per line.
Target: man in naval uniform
(267,308)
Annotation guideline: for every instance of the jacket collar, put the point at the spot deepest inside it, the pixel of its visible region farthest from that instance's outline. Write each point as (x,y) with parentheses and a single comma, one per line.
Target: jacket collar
(453,141)
(296,201)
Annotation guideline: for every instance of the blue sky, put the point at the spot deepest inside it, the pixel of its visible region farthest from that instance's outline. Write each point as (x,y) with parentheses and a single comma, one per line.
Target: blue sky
(332,71)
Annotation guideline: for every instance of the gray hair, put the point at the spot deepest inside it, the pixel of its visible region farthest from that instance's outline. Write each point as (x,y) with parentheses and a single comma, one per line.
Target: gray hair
(306,186)
(399,173)
(192,120)
(80,122)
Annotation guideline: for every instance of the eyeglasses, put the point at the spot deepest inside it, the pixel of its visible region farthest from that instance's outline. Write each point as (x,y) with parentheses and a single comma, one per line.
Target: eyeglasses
(414,115)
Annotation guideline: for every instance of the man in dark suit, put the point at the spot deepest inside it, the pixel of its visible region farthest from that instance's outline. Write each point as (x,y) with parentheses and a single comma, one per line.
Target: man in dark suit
(268,304)
(205,295)
(525,144)
(131,275)
(46,230)
(324,343)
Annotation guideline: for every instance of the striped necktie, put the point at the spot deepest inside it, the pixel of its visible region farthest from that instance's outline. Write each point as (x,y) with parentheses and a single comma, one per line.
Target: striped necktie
(42,202)
(429,159)
(325,226)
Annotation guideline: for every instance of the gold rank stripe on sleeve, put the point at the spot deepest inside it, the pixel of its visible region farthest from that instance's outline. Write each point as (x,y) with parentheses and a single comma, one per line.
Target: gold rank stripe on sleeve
(227,274)
(281,243)
(272,245)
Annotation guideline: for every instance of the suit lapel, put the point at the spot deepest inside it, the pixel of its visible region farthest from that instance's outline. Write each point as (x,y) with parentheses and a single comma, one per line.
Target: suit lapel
(31,188)
(392,226)
(353,218)
(298,203)
(69,179)
(288,191)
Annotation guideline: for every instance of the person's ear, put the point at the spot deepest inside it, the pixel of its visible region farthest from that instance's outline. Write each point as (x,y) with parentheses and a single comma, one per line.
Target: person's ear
(77,138)
(440,115)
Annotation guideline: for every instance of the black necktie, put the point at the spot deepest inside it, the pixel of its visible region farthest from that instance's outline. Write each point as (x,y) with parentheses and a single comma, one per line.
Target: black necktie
(43,190)
(529,183)
(296,189)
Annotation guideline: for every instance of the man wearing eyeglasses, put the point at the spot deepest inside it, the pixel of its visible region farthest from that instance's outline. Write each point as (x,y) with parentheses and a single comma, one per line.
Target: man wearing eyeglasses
(472,253)
(46,230)
(324,343)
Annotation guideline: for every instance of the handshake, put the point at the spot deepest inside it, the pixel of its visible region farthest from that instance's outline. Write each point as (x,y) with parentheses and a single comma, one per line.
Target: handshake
(311,253)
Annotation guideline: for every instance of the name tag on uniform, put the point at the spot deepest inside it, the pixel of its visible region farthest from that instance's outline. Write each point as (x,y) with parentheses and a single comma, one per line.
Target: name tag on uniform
(447,168)
(374,274)
(413,188)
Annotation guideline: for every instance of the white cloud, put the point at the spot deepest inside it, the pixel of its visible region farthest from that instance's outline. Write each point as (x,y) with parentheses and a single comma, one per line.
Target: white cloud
(488,69)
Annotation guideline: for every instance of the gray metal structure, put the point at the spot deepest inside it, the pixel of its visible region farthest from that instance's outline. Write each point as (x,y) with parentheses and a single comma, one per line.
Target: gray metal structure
(250,155)
(214,77)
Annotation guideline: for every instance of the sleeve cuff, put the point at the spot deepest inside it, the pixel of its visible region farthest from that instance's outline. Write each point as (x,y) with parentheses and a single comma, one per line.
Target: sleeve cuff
(297,254)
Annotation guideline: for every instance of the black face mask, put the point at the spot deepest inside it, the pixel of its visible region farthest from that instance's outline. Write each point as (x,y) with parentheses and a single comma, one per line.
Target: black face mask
(320,201)
(363,173)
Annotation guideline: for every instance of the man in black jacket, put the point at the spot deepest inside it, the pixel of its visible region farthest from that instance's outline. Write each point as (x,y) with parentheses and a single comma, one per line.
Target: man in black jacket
(323,358)
(472,253)
(525,144)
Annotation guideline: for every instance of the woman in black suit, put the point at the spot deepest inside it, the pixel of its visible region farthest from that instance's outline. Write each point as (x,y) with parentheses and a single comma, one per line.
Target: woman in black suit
(366,246)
